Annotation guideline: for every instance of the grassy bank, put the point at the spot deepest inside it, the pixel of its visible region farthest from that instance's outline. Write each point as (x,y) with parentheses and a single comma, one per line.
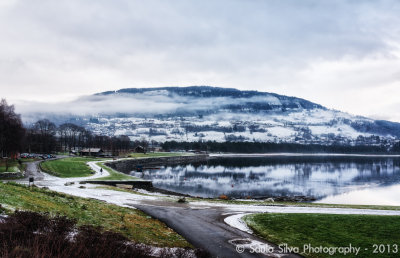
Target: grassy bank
(133,224)
(13,166)
(68,167)
(329,230)
(77,167)
(32,234)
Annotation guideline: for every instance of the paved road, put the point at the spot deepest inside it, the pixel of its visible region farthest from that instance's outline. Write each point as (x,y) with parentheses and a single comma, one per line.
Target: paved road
(32,170)
(205,229)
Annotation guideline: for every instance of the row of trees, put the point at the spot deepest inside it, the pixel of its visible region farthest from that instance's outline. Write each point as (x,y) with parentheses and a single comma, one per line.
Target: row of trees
(11,130)
(45,137)
(269,147)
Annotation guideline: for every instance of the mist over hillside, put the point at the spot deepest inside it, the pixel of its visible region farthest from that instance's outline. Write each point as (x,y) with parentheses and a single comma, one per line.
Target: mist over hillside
(211,113)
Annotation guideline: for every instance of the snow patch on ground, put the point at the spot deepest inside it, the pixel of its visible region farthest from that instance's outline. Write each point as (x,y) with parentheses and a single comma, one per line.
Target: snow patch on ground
(237,222)
(143,191)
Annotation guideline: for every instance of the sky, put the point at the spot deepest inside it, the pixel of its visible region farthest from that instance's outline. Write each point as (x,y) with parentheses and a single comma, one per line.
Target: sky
(342,54)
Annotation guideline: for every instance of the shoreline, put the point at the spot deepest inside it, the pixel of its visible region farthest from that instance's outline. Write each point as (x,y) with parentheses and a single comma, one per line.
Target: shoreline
(271,199)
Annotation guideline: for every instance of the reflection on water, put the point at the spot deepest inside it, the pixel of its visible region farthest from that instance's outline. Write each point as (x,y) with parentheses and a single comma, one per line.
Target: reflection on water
(277,176)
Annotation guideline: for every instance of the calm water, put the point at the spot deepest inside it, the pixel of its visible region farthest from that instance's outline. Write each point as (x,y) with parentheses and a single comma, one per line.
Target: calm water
(332,179)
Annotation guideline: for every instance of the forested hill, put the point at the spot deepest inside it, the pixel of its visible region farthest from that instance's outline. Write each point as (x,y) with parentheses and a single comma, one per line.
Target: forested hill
(266,101)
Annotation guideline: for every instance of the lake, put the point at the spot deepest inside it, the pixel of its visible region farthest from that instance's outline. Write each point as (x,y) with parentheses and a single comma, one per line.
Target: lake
(329,178)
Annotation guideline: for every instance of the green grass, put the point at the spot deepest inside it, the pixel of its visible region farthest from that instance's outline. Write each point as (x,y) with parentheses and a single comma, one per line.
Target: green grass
(29,159)
(132,223)
(77,167)
(114,175)
(68,167)
(13,166)
(328,231)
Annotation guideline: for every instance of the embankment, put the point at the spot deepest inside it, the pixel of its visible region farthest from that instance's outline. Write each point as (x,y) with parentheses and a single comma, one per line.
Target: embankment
(126,166)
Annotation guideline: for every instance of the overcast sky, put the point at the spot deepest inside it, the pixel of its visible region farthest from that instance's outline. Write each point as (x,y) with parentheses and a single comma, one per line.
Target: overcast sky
(341,54)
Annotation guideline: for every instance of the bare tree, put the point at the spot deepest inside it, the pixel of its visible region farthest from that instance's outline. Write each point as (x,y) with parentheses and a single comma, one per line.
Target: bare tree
(71,136)
(11,131)
(42,136)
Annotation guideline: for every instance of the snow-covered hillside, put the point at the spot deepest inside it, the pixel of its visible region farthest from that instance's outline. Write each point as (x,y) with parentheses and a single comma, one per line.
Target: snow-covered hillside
(219,114)
(306,126)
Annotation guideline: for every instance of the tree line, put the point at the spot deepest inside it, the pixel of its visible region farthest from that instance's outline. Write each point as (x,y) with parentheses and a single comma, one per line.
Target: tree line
(44,136)
(270,147)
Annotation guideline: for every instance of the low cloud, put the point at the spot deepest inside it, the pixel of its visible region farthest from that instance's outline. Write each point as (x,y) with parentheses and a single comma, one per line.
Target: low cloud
(148,103)
(107,105)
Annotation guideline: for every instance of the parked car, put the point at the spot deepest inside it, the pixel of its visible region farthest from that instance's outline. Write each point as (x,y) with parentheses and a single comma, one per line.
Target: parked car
(24,155)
